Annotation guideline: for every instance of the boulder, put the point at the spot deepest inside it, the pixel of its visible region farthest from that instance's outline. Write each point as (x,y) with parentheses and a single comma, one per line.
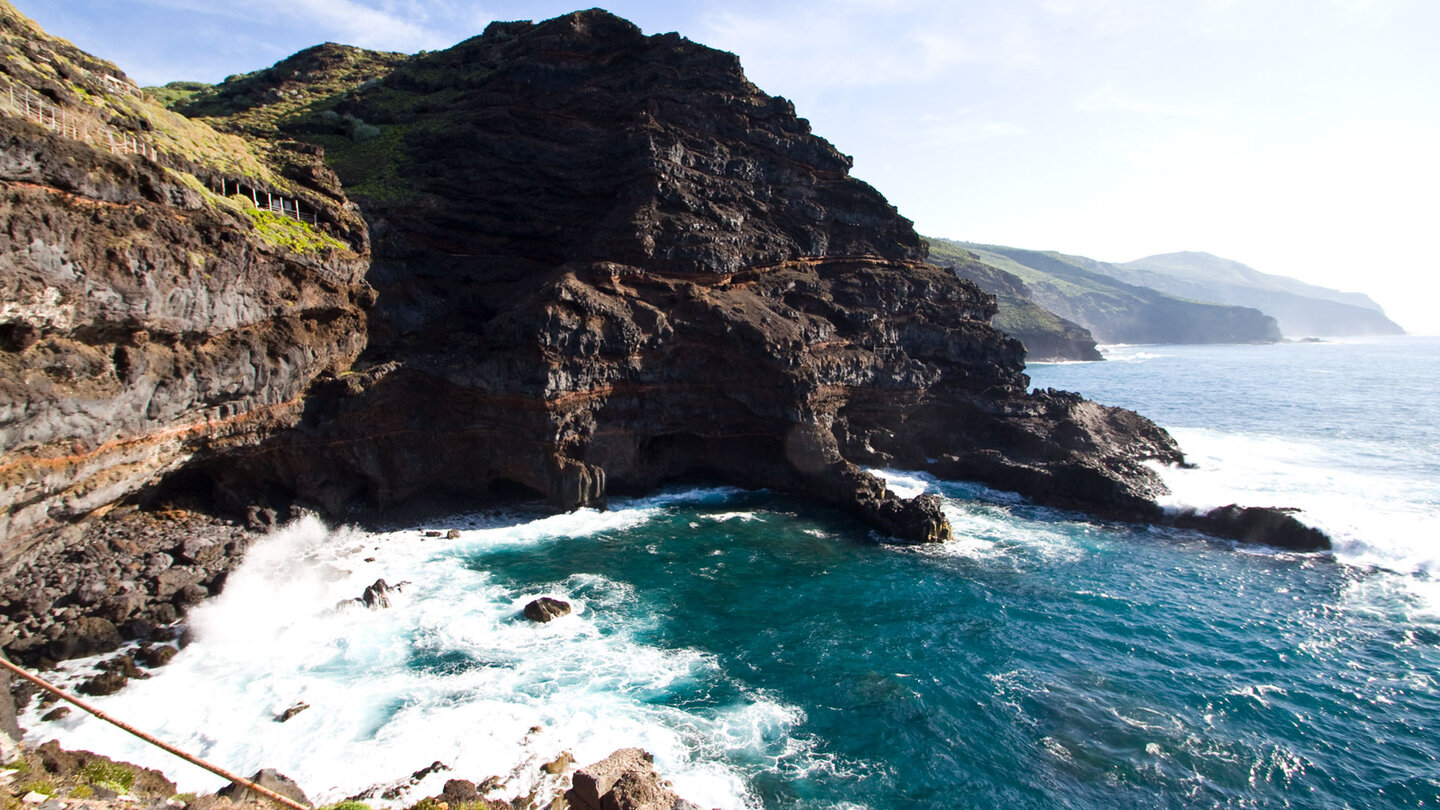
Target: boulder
(1255,524)
(270,779)
(86,635)
(625,780)
(459,791)
(545,608)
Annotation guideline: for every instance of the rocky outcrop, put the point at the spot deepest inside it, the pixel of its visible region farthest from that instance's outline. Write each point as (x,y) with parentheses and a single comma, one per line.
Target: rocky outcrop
(605,260)
(625,780)
(1256,524)
(545,609)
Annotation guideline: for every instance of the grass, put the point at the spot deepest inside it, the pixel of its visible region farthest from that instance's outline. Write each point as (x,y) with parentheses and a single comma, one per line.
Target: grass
(112,775)
(290,234)
(176,94)
(42,786)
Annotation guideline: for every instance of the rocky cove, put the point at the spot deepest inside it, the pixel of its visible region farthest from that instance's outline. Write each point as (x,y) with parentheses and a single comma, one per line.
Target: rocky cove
(559,261)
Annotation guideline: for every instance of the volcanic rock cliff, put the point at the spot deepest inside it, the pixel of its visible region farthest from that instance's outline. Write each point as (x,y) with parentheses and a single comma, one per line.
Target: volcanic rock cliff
(144,317)
(605,260)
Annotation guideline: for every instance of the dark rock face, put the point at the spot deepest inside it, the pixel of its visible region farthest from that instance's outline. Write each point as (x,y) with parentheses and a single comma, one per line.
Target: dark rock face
(143,320)
(546,608)
(606,260)
(1254,524)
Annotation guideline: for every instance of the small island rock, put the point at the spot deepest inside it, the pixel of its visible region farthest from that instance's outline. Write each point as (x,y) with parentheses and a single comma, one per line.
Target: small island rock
(545,608)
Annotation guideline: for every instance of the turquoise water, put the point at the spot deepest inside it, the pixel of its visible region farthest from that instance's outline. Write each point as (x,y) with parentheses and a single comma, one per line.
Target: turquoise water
(775,655)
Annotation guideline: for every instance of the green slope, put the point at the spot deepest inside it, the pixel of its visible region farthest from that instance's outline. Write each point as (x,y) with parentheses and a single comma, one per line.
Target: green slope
(1046,335)
(1075,288)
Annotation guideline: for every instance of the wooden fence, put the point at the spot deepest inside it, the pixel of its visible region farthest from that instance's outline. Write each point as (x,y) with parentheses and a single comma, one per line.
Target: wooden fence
(267,201)
(31,105)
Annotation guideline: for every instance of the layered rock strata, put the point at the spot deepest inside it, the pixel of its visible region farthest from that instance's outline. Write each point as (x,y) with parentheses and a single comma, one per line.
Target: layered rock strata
(606,260)
(145,317)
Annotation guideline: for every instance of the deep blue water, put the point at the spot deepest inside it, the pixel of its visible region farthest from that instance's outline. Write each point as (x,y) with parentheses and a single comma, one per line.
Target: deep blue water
(775,655)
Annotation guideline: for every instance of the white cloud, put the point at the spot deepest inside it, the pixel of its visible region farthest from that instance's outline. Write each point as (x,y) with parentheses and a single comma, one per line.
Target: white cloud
(867,43)
(1109,99)
(954,128)
(408,26)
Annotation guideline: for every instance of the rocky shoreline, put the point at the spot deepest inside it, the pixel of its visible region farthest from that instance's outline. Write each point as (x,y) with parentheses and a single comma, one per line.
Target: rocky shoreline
(127,576)
(48,777)
(566,260)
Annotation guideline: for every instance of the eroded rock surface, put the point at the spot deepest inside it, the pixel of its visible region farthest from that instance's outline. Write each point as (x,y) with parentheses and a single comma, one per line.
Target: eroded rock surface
(625,780)
(606,260)
(145,319)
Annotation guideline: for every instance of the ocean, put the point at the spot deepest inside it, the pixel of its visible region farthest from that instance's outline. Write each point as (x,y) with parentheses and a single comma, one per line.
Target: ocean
(773,654)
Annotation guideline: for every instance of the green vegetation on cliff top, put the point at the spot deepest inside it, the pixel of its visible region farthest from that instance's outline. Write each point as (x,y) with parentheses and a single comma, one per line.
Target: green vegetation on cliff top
(96,98)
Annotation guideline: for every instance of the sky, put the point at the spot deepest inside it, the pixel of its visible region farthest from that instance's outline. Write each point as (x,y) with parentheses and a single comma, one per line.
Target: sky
(1301,137)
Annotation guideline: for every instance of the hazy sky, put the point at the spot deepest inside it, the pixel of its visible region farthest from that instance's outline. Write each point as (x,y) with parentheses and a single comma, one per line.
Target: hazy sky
(1301,137)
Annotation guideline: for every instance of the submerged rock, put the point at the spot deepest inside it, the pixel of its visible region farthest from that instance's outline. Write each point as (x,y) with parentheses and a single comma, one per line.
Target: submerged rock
(106,683)
(157,656)
(291,712)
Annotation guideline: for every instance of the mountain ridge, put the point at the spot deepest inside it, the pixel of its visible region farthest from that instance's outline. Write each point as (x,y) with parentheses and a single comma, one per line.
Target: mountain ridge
(1074,288)
(1301,309)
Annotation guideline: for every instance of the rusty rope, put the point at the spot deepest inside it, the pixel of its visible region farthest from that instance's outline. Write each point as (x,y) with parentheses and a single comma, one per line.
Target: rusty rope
(215,769)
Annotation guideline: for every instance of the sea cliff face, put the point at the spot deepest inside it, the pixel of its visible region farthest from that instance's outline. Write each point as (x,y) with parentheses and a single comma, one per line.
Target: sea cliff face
(601,261)
(606,260)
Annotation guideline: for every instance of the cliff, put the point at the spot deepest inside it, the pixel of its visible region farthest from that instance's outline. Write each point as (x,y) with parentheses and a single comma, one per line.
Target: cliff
(1083,290)
(144,317)
(1046,336)
(603,261)
(606,260)
(584,261)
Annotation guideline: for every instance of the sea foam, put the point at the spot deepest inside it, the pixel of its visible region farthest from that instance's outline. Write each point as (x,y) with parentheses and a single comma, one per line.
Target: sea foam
(450,672)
